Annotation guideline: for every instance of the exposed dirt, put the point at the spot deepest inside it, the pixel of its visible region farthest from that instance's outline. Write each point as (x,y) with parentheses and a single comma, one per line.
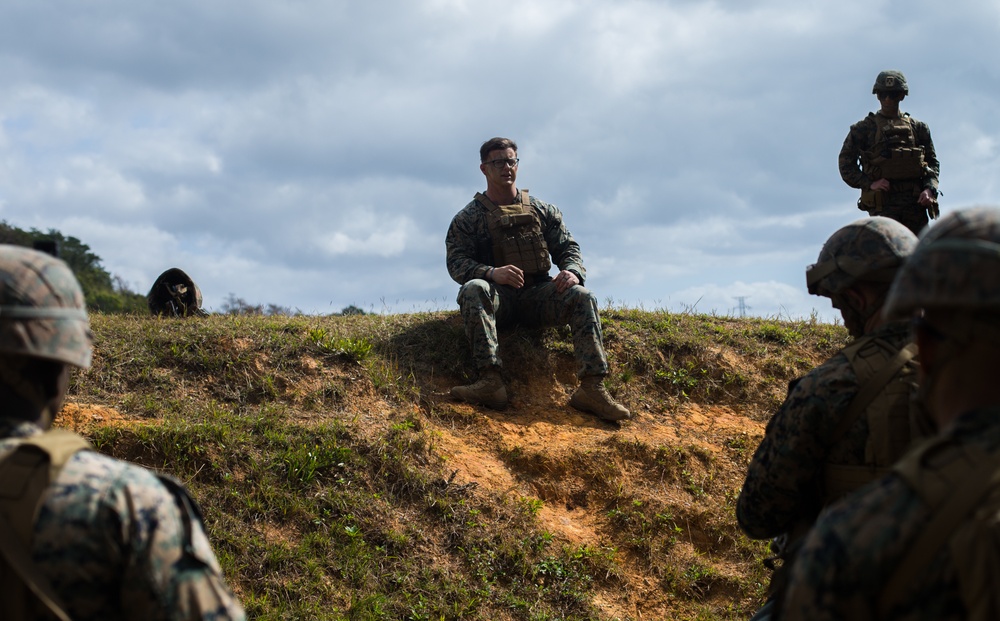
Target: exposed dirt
(681,457)
(474,440)
(80,417)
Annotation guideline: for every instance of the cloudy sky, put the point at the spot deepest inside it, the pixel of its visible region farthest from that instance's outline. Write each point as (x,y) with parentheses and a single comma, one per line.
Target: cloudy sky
(311,154)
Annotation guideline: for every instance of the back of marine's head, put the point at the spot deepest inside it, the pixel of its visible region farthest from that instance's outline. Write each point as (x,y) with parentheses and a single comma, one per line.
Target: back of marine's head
(955,269)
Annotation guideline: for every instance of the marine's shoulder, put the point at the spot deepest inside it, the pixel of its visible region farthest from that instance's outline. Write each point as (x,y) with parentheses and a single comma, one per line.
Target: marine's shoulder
(467,217)
(91,488)
(914,121)
(895,333)
(869,121)
(88,473)
(830,376)
(545,209)
(472,210)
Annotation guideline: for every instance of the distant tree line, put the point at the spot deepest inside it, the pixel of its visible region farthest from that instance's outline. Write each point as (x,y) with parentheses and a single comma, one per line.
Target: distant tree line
(109,293)
(102,291)
(235,305)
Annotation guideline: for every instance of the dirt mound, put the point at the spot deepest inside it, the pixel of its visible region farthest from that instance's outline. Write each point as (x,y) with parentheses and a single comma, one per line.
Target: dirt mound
(650,500)
(81,417)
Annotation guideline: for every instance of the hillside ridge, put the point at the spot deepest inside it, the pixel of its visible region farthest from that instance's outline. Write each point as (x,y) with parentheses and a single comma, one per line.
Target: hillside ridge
(535,512)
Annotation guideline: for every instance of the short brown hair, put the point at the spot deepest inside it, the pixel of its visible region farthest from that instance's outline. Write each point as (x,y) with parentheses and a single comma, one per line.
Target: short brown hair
(496,144)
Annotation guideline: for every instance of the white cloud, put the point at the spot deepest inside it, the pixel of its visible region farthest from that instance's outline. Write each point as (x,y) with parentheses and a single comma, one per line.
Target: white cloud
(311,154)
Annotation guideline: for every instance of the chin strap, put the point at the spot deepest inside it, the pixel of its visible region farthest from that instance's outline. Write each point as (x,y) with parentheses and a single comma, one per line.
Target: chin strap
(13,375)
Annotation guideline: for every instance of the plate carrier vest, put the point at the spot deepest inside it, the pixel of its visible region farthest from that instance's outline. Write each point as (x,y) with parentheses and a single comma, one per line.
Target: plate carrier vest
(516,231)
(963,495)
(885,379)
(25,474)
(895,154)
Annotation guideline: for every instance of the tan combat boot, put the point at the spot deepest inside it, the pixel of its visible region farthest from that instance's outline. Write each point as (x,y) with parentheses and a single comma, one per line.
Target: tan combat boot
(488,391)
(592,397)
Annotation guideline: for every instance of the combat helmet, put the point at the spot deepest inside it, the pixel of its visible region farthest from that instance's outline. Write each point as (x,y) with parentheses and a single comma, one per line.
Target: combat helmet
(890,81)
(956,266)
(174,294)
(869,250)
(42,308)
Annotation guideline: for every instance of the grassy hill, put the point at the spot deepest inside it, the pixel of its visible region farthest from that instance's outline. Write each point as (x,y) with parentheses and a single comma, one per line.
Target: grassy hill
(340,481)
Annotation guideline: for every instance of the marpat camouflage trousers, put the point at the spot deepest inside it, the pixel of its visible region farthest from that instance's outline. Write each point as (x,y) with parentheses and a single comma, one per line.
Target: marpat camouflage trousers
(486,306)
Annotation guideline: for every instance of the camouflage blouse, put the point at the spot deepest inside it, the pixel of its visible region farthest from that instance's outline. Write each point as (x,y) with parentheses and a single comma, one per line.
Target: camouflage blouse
(470,247)
(116,542)
(783,489)
(861,138)
(858,543)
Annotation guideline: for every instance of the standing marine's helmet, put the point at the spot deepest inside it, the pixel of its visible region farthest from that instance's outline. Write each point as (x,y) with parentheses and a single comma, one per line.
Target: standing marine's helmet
(868,250)
(42,308)
(956,266)
(890,81)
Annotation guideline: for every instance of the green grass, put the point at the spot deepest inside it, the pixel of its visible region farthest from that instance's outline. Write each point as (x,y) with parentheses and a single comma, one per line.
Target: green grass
(312,443)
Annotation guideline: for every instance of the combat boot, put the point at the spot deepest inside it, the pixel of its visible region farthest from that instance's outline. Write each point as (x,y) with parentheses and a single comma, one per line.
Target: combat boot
(488,390)
(592,397)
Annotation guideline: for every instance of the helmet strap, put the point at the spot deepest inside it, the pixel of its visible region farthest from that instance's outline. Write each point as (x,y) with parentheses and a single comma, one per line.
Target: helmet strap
(856,317)
(31,395)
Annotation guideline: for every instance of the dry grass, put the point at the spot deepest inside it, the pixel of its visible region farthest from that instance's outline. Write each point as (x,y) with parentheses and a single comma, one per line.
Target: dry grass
(340,482)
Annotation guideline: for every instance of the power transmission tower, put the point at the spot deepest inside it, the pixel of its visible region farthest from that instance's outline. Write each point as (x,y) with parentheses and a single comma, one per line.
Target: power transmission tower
(744,307)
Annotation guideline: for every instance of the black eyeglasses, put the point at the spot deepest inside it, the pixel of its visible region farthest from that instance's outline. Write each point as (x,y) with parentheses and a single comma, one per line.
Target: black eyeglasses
(893,95)
(501,164)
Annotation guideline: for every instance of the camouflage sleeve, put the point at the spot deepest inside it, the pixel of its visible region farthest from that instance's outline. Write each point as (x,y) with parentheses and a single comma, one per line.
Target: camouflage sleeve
(923,136)
(468,245)
(784,482)
(851,553)
(563,248)
(858,140)
(116,543)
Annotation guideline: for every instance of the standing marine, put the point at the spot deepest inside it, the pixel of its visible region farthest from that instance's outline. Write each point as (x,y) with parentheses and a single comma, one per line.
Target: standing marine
(889,156)
(923,542)
(83,535)
(500,249)
(847,421)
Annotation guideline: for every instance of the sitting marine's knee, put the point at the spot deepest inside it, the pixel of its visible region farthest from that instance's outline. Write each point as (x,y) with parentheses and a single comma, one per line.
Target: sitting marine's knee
(473,292)
(584,294)
(580,296)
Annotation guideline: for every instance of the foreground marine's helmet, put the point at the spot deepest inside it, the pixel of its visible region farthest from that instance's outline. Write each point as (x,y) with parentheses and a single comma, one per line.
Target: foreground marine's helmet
(955,266)
(867,250)
(890,82)
(42,308)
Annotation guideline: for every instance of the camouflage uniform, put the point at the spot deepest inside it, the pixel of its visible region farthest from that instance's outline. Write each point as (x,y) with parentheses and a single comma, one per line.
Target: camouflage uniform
(113,542)
(900,201)
(109,539)
(847,419)
(861,546)
(784,487)
(857,543)
(485,306)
